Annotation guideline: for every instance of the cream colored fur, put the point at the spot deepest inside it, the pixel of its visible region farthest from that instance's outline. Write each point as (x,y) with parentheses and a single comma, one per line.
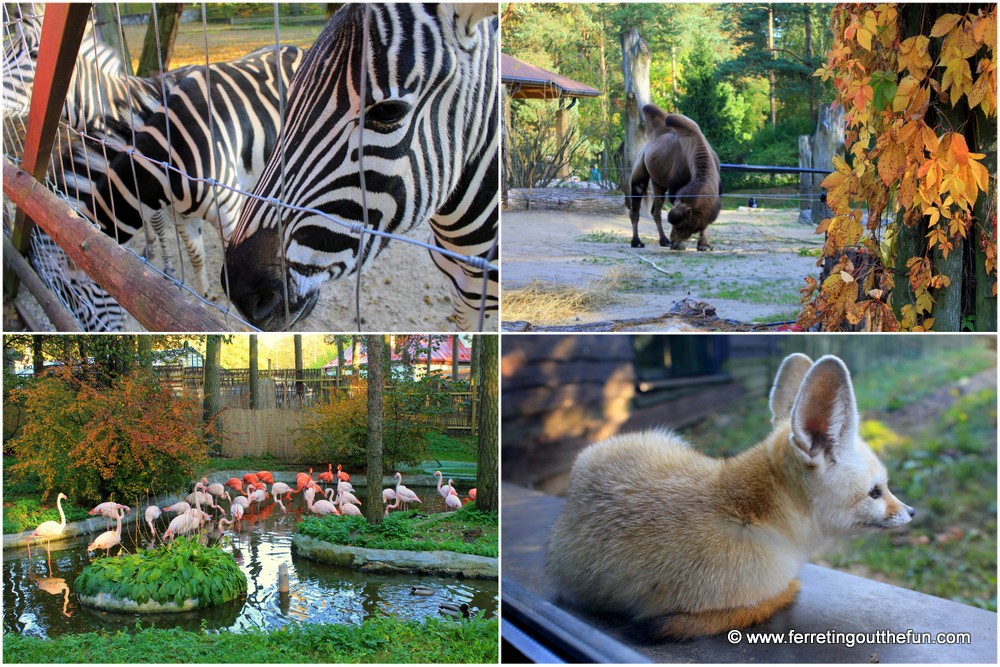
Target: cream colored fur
(690,545)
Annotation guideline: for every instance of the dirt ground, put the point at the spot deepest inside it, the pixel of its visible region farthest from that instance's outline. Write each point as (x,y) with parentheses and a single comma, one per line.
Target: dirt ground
(753,273)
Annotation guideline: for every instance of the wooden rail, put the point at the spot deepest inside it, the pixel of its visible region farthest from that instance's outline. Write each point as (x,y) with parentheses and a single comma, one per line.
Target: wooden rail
(143,292)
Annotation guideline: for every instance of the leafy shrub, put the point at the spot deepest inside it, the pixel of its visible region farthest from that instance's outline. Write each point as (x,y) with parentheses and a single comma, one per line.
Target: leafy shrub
(338,430)
(466,531)
(95,442)
(27,513)
(184,570)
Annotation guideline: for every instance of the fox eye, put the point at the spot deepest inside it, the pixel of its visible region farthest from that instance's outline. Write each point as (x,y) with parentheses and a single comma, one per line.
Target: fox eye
(876,492)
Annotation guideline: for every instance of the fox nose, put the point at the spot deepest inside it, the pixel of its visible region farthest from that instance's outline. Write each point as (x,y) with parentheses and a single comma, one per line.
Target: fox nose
(909,510)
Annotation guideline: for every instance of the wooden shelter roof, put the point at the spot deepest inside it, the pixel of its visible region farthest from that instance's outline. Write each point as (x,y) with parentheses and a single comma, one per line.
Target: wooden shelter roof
(529,82)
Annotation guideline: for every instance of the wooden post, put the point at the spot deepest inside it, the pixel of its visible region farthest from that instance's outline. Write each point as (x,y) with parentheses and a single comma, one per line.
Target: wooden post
(62,31)
(133,283)
(562,129)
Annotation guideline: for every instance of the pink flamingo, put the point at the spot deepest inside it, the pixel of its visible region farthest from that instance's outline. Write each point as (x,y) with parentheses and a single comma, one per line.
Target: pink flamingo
(327,476)
(344,486)
(281,489)
(404,494)
(347,509)
(250,478)
(394,506)
(235,483)
(321,507)
(341,475)
(180,507)
(182,523)
(452,502)
(49,529)
(265,476)
(108,511)
(445,490)
(388,495)
(152,513)
(347,497)
(277,499)
(108,539)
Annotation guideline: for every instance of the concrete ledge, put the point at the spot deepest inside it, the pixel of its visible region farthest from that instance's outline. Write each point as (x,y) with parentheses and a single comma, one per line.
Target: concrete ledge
(390,561)
(828,601)
(111,603)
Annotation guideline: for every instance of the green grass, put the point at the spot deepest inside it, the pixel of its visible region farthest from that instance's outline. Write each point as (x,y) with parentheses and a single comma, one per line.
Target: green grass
(946,468)
(378,640)
(466,531)
(603,236)
(766,292)
(444,447)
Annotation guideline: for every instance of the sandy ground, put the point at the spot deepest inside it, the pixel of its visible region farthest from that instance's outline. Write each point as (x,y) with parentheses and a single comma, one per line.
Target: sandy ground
(402,291)
(753,273)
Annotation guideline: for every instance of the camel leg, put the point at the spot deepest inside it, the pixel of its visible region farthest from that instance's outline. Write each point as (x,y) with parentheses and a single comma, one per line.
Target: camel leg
(703,243)
(638,184)
(705,623)
(659,199)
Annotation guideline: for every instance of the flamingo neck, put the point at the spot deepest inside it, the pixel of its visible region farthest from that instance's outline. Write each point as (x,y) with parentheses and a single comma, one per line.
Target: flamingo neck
(62,515)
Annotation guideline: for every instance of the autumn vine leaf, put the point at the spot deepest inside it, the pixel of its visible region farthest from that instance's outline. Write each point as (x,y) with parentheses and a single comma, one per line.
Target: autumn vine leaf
(913,164)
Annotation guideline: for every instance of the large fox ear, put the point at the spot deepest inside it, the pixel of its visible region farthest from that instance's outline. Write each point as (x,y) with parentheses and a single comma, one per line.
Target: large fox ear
(824,415)
(466,17)
(786,385)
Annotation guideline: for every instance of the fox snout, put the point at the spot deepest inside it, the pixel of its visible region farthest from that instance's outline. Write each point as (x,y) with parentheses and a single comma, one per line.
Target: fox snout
(896,513)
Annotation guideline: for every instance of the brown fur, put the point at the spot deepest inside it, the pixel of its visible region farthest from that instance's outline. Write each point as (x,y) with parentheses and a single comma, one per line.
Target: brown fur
(678,162)
(691,545)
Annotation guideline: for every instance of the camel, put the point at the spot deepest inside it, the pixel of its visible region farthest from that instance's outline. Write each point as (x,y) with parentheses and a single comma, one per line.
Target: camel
(678,162)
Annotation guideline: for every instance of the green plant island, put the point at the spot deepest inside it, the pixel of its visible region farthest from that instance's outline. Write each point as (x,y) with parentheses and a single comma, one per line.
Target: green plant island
(183,576)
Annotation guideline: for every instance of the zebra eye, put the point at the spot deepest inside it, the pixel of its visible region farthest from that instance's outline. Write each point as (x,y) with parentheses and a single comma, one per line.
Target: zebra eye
(389,112)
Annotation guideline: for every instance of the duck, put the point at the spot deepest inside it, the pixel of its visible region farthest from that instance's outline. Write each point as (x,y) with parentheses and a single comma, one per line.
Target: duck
(421,590)
(455,610)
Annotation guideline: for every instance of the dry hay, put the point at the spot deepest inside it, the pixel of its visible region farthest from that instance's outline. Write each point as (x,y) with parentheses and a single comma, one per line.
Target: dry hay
(546,303)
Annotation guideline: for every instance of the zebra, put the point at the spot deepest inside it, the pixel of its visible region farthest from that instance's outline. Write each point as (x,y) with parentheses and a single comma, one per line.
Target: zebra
(92,307)
(120,191)
(430,152)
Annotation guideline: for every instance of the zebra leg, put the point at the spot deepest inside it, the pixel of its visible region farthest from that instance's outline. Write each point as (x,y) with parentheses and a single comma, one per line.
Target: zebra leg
(659,199)
(194,243)
(158,221)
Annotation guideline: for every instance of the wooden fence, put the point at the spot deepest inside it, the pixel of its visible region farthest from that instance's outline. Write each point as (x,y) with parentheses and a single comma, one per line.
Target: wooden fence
(258,432)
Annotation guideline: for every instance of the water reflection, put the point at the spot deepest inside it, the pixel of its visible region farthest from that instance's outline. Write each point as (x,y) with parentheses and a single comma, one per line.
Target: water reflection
(41,603)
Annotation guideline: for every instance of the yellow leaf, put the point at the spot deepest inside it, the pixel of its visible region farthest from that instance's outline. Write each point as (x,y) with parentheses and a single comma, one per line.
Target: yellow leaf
(925,302)
(856,311)
(864,39)
(945,24)
(904,93)
(892,162)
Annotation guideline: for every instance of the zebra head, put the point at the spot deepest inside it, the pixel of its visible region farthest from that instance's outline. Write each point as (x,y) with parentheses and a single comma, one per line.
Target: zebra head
(430,154)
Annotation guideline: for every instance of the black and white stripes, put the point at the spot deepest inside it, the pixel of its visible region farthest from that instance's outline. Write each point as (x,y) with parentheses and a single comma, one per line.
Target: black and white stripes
(430,153)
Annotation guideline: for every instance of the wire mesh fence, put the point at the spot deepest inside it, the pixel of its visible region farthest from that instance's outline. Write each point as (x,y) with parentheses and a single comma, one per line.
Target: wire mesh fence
(167,163)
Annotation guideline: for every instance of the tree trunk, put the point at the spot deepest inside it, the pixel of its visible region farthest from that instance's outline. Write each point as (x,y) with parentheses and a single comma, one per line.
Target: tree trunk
(947,310)
(144,348)
(454,358)
(673,78)
(430,351)
(106,27)
(984,302)
(474,380)
(340,361)
(355,354)
(300,386)
(162,31)
(811,80)
(770,72)
(254,373)
(37,354)
(805,180)
(210,402)
(826,142)
(636,60)
(487,489)
(373,500)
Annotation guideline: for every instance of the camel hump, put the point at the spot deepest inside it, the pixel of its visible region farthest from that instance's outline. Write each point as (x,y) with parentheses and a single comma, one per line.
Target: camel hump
(653,117)
(681,122)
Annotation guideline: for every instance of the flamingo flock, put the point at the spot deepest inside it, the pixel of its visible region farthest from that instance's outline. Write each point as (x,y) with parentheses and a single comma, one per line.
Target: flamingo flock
(248,497)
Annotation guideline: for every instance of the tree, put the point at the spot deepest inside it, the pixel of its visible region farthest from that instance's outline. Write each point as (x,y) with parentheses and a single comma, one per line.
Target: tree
(300,386)
(254,373)
(376,382)
(487,491)
(158,46)
(210,402)
(916,145)
(703,99)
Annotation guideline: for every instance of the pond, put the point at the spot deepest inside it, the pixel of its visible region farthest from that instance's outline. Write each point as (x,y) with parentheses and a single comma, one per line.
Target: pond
(43,604)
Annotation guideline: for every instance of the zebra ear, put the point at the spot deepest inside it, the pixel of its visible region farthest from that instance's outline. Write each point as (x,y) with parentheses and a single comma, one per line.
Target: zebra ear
(466,17)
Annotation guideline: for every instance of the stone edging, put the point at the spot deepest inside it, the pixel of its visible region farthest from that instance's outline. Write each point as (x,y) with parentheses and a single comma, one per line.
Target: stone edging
(111,603)
(391,561)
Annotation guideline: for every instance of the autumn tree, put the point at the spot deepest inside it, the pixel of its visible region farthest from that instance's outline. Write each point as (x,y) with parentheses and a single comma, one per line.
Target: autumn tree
(912,243)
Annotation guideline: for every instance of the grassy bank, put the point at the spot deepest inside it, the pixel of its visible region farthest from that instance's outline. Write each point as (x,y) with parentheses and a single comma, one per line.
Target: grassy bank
(23,511)
(466,531)
(380,640)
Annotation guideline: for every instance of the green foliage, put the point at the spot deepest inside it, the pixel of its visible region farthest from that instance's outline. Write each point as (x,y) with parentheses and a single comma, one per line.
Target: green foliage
(376,641)
(183,570)
(95,442)
(27,513)
(338,431)
(466,531)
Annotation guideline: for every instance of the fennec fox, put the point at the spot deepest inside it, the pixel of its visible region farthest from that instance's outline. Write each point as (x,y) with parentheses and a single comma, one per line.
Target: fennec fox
(687,545)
